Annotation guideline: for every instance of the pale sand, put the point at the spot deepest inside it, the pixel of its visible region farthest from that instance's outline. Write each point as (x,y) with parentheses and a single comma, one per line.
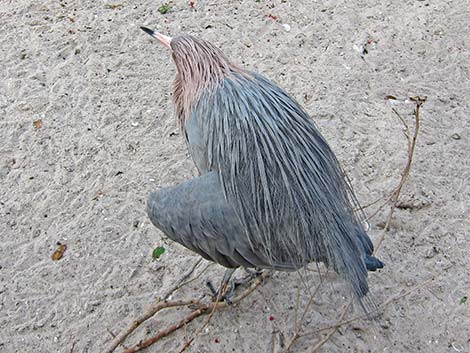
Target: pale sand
(102,89)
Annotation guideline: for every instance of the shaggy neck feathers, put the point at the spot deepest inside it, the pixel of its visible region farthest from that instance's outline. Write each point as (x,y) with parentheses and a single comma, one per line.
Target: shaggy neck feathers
(200,66)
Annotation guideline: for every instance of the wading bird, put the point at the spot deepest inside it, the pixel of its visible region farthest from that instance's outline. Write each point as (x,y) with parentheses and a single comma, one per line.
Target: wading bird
(271,193)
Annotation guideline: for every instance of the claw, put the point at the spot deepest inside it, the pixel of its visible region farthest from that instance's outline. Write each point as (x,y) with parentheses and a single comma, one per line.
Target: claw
(224,293)
(227,287)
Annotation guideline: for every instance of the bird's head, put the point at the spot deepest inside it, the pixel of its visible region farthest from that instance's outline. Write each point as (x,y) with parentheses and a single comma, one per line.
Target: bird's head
(200,66)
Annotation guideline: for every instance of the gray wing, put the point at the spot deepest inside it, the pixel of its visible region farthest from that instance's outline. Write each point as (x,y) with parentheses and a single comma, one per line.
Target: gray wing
(196,215)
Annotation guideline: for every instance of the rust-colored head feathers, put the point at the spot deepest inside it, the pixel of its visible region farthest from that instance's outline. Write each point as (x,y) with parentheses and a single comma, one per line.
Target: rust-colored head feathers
(200,65)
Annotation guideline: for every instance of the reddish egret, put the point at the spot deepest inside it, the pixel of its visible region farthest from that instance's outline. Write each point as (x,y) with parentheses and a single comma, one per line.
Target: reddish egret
(271,193)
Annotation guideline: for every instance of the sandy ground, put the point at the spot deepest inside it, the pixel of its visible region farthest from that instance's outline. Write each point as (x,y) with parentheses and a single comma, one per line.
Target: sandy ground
(102,89)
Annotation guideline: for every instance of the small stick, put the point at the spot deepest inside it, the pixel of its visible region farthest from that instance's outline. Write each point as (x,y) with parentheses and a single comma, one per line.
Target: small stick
(310,302)
(380,307)
(216,306)
(296,334)
(332,331)
(188,342)
(158,305)
(195,277)
(373,203)
(181,282)
(296,314)
(411,146)
(411,149)
(294,338)
(407,128)
(167,331)
(201,309)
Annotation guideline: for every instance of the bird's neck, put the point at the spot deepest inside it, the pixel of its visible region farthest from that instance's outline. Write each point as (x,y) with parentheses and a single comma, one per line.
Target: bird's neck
(188,89)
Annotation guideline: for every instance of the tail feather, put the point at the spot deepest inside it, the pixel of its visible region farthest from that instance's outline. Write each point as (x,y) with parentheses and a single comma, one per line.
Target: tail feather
(373,263)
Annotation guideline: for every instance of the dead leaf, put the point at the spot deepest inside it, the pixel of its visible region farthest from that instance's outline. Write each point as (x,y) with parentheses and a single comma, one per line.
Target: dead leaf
(419,99)
(391,97)
(37,123)
(97,196)
(57,255)
(113,6)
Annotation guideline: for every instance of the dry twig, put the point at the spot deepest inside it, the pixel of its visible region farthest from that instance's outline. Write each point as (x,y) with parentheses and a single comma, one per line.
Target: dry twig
(298,323)
(341,322)
(332,331)
(376,310)
(158,305)
(419,101)
(206,322)
(200,309)
(411,143)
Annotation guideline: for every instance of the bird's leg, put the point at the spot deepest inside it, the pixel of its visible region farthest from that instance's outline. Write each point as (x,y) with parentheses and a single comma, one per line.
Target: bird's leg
(252,273)
(226,288)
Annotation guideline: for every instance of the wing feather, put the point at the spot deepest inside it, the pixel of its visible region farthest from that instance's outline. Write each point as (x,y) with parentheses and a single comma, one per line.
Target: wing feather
(281,177)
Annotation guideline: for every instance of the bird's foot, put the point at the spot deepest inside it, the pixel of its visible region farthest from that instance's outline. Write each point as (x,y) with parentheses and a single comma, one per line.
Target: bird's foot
(224,293)
(228,286)
(253,273)
(226,289)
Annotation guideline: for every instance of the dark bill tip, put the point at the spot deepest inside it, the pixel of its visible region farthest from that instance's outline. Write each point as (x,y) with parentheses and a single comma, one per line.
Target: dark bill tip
(148,31)
(165,40)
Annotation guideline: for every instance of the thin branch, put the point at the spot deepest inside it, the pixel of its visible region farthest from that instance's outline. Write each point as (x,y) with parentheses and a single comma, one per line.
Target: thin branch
(310,302)
(376,310)
(201,309)
(296,313)
(294,338)
(381,207)
(196,333)
(158,305)
(196,277)
(297,334)
(297,328)
(407,128)
(411,144)
(332,331)
(181,282)
(148,342)
(373,203)
(73,346)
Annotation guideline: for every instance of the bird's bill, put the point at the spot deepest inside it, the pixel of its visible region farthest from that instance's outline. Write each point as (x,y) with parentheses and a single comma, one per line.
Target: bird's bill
(165,40)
